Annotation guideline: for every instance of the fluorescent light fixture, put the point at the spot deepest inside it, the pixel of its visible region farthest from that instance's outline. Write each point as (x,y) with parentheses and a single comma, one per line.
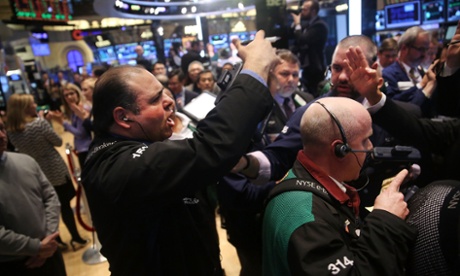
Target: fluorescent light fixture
(354,17)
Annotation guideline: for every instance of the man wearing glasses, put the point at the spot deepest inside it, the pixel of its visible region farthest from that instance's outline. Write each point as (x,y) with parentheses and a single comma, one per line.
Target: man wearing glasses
(403,81)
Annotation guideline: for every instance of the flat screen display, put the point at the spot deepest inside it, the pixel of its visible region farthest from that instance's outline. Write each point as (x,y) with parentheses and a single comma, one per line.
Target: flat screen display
(243,36)
(433,11)
(126,51)
(380,20)
(169,42)
(402,15)
(40,49)
(106,54)
(219,41)
(450,32)
(150,51)
(453,10)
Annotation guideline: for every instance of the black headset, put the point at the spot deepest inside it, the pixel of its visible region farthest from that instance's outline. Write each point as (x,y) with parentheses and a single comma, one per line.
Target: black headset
(341,149)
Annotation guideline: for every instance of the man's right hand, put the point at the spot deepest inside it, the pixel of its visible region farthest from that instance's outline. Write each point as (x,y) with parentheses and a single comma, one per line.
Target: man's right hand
(391,199)
(48,245)
(258,55)
(296,18)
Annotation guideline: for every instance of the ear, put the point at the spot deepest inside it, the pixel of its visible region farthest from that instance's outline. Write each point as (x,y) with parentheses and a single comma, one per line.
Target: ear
(339,148)
(119,113)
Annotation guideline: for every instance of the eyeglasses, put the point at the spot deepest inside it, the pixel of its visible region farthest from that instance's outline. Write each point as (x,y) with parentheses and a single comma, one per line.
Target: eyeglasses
(420,49)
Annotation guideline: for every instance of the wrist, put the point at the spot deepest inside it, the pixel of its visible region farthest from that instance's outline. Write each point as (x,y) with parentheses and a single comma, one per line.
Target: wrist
(251,170)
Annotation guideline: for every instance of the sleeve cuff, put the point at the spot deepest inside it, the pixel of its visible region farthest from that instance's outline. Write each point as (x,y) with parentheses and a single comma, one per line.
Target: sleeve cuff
(264,168)
(376,107)
(254,75)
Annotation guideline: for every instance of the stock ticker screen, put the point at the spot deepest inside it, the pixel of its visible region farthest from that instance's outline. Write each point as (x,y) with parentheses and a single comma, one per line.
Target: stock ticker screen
(402,15)
(433,11)
(44,10)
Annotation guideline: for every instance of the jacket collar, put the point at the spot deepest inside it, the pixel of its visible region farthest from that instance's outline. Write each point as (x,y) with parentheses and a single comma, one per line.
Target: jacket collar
(350,197)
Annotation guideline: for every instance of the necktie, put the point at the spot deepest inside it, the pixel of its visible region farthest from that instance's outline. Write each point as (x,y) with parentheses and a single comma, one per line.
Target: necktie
(412,76)
(287,108)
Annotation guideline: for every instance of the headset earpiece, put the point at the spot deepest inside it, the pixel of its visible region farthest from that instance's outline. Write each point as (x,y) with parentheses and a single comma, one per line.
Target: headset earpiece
(341,150)
(126,119)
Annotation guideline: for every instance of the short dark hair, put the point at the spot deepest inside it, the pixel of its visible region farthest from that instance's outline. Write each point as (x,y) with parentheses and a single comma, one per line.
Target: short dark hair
(177,72)
(206,71)
(367,45)
(158,62)
(314,5)
(98,71)
(388,44)
(112,90)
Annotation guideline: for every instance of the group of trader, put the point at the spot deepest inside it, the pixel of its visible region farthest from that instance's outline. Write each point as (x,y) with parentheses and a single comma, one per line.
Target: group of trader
(285,171)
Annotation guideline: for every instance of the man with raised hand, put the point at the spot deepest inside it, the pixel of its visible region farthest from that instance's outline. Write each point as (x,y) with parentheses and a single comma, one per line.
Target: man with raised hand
(142,188)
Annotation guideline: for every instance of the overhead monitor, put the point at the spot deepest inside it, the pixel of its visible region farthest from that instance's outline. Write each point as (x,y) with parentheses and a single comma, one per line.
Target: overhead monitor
(402,15)
(150,51)
(40,49)
(453,10)
(242,36)
(433,11)
(171,42)
(125,52)
(219,41)
(106,54)
(380,20)
(53,11)
(450,32)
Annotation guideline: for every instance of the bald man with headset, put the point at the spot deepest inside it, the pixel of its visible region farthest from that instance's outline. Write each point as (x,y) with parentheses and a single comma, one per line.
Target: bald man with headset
(311,222)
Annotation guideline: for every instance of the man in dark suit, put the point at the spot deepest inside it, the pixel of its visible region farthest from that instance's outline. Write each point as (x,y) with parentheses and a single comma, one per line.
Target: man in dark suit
(277,158)
(403,81)
(430,137)
(310,39)
(241,202)
(176,79)
(193,54)
(141,60)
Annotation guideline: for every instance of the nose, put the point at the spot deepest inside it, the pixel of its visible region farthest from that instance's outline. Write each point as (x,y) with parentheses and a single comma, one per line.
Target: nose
(343,75)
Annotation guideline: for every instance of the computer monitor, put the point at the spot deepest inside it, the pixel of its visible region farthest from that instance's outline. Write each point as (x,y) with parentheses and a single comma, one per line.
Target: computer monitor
(170,42)
(380,20)
(40,49)
(105,54)
(433,11)
(150,51)
(219,41)
(402,15)
(242,36)
(450,32)
(453,10)
(125,52)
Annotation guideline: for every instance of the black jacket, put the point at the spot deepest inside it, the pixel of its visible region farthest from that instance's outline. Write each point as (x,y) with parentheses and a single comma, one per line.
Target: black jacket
(143,197)
(430,137)
(310,228)
(310,44)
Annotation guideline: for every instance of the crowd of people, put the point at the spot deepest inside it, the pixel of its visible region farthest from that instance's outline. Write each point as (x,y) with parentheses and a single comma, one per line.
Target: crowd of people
(289,169)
